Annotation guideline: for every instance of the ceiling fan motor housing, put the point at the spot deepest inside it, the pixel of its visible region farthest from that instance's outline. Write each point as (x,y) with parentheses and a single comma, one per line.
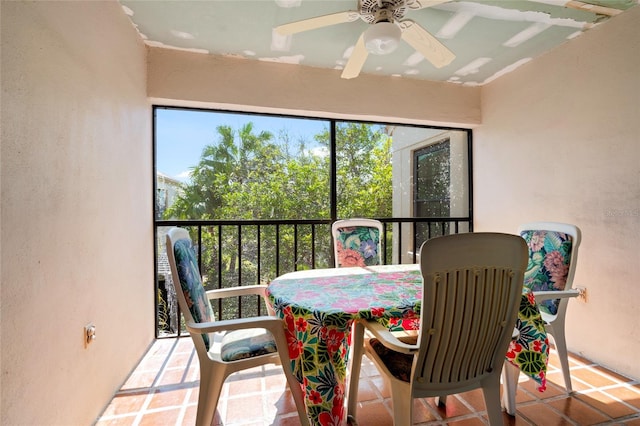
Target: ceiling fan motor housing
(373,11)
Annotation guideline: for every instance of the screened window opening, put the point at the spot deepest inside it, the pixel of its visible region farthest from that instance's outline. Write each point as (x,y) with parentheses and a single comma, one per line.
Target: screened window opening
(259,192)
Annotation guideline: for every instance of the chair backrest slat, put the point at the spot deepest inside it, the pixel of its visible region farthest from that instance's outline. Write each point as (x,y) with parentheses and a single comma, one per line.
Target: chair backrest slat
(472,290)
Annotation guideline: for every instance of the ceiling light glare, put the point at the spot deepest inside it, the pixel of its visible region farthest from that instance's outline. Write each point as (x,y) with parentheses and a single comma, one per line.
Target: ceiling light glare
(473,67)
(279,42)
(182,34)
(382,38)
(527,34)
(127,11)
(288,3)
(455,24)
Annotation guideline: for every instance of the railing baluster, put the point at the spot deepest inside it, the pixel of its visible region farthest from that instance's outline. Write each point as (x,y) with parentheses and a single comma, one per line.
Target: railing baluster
(400,246)
(313,246)
(219,271)
(239,266)
(383,244)
(277,249)
(212,232)
(415,245)
(295,247)
(259,258)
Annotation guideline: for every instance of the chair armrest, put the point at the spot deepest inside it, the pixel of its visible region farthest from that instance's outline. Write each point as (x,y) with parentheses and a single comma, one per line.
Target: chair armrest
(550,295)
(270,323)
(247,290)
(387,338)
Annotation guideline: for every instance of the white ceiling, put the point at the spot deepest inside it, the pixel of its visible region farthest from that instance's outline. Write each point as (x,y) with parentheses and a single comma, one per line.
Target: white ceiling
(489,38)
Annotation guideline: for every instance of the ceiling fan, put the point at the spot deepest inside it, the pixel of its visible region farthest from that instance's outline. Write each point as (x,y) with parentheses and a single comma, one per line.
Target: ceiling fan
(388,26)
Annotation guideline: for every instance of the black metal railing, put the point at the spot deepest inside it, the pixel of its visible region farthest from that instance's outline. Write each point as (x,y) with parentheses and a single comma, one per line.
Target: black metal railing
(244,252)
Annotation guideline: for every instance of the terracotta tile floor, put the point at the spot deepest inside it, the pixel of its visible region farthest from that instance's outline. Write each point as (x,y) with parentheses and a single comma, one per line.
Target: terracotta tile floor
(163,390)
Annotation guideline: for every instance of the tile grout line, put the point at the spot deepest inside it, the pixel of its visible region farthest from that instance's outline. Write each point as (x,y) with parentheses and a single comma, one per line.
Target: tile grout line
(152,388)
(188,366)
(183,407)
(552,408)
(613,397)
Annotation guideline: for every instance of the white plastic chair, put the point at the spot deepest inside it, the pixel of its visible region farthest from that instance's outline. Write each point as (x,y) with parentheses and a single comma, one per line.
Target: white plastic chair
(472,287)
(357,242)
(224,347)
(551,294)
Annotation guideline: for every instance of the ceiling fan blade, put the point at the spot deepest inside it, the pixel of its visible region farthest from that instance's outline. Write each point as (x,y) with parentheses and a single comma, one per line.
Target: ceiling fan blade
(421,4)
(318,22)
(356,60)
(429,46)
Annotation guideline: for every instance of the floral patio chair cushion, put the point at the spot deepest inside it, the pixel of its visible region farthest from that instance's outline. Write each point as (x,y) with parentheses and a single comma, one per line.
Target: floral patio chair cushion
(549,258)
(247,343)
(191,284)
(358,246)
(397,363)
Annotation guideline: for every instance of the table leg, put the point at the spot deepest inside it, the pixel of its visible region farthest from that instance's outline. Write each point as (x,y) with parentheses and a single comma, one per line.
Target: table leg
(357,346)
(510,375)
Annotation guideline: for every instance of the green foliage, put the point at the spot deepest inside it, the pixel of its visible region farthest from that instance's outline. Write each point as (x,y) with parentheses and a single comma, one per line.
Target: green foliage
(249,176)
(244,175)
(363,170)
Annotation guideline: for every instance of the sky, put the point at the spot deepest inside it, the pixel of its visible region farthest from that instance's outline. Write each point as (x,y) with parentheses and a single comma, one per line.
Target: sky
(182,134)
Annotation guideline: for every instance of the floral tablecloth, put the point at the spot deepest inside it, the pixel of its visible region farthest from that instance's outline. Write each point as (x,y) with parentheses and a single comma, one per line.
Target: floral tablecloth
(319,307)
(530,352)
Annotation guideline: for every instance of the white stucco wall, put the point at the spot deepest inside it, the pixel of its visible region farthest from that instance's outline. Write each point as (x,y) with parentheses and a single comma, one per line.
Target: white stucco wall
(560,141)
(76,224)
(193,79)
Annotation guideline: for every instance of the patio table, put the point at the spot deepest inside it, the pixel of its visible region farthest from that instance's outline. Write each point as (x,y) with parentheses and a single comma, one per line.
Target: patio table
(319,307)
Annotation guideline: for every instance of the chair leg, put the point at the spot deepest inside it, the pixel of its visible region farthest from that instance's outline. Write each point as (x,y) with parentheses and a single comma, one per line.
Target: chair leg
(561,346)
(296,392)
(491,392)
(357,339)
(294,387)
(209,394)
(402,404)
(510,374)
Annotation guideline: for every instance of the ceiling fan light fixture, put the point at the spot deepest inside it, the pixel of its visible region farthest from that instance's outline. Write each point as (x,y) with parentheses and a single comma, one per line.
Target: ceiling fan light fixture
(382,38)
